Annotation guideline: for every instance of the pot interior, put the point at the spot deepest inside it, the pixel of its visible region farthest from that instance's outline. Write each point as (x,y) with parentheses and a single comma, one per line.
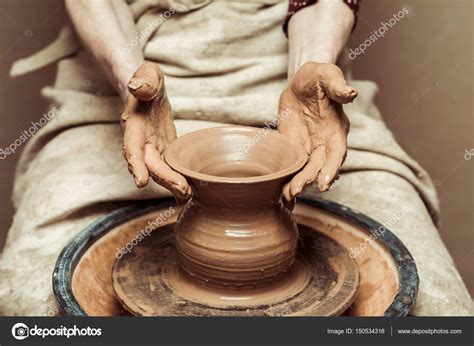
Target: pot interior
(235,152)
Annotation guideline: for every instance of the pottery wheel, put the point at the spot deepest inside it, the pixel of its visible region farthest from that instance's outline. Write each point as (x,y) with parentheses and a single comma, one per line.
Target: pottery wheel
(323,281)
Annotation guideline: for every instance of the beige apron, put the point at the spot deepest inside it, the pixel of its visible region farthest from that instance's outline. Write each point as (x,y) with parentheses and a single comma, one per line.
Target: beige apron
(224,62)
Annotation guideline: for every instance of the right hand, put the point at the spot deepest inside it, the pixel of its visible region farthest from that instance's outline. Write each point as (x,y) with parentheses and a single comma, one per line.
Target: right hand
(315,118)
(148,128)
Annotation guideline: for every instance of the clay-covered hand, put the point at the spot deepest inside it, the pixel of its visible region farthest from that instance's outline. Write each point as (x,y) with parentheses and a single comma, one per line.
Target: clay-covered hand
(310,112)
(148,128)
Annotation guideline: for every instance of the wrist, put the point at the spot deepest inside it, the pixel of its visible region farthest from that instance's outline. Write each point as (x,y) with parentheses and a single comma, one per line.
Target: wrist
(318,33)
(322,56)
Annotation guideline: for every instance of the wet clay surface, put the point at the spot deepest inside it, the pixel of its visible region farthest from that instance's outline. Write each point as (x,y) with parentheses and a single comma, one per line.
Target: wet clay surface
(235,232)
(322,282)
(378,272)
(235,247)
(92,279)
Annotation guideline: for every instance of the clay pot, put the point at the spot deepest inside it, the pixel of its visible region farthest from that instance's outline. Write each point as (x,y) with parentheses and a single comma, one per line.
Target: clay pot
(235,231)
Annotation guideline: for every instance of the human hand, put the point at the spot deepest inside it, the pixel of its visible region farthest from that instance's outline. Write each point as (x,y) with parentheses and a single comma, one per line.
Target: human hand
(148,128)
(310,112)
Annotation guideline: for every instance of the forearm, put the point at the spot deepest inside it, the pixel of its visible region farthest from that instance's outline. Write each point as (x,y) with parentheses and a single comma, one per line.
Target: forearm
(103,26)
(318,33)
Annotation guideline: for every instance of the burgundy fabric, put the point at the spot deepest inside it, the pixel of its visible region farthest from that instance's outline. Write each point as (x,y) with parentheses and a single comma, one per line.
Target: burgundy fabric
(296,5)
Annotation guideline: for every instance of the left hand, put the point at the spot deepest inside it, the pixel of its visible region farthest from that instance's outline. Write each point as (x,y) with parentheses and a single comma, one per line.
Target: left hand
(148,128)
(310,112)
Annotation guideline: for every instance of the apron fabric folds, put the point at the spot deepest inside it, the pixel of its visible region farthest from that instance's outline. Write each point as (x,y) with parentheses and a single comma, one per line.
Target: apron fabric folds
(224,62)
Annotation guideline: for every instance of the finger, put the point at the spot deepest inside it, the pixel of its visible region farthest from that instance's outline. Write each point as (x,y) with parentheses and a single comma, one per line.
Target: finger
(134,148)
(307,176)
(336,150)
(165,176)
(335,85)
(146,83)
(287,200)
(338,90)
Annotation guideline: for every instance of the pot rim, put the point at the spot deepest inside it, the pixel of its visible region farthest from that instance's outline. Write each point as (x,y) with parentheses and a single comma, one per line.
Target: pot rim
(299,163)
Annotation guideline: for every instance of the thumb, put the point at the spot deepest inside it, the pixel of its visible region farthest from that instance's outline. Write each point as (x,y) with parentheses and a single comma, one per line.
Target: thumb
(146,83)
(338,90)
(335,85)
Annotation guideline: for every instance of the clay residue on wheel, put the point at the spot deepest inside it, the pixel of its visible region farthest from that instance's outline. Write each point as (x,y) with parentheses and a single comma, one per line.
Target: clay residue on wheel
(148,283)
(378,272)
(92,278)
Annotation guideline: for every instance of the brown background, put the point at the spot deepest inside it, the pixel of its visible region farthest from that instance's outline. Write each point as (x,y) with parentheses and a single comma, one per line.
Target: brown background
(423,65)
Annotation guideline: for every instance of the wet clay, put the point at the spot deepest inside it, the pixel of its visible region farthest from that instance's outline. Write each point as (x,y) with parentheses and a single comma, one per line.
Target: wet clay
(323,281)
(235,232)
(234,242)
(148,127)
(378,272)
(92,281)
(311,113)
